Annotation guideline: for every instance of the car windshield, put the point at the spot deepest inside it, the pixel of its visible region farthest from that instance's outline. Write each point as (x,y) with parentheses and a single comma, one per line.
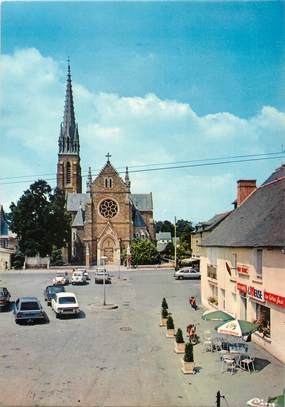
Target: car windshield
(60,275)
(29,306)
(53,290)
(77,274)
(2,291)
(67,300)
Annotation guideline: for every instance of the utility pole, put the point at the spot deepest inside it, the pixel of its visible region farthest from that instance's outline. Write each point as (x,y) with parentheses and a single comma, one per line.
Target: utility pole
(175,247)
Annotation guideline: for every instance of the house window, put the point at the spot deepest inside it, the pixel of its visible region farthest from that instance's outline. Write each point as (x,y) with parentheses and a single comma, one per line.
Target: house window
(259,263)
(68,172)
(108,182)
(234,263)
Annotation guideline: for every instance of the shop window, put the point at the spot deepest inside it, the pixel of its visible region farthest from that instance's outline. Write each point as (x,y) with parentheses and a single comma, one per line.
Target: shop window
(259,263)
(263,319)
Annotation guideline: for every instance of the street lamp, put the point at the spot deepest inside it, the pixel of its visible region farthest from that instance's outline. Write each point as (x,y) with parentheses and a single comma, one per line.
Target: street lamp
(175,247)
(103,258)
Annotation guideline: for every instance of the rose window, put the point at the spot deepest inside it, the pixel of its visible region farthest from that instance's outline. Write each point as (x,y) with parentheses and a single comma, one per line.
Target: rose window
(108,208)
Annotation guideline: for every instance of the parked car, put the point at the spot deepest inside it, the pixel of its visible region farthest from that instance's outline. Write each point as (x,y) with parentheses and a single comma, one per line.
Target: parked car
(51,290)
(85,272)
(100,275)
(61,279)
(29,309)
(4,297)
(65,304)
(187,273)
(78,277)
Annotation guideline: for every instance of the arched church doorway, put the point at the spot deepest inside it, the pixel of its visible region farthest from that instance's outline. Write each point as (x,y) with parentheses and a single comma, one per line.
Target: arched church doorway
(108,250)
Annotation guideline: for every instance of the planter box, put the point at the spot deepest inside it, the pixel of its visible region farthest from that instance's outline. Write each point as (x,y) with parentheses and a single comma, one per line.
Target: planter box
(170,333)
(188,367)
(179,347)
(163,322)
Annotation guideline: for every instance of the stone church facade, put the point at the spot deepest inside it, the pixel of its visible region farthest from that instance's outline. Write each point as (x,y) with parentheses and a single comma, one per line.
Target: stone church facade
(108,217)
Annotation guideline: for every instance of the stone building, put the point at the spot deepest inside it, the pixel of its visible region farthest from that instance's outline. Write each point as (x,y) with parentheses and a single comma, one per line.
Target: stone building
(107,217)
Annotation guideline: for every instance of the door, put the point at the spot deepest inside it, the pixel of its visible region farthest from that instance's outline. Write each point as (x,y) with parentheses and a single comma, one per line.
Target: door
(109,253)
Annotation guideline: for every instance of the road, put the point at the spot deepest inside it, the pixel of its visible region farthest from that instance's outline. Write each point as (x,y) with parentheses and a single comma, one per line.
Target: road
(116,357)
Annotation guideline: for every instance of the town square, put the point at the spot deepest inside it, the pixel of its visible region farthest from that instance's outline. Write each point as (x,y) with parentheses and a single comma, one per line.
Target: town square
(142,197)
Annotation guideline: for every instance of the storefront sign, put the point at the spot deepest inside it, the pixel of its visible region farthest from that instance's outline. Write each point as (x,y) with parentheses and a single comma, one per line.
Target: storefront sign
(256,293)
(242,288)
(275,299)
(242,269)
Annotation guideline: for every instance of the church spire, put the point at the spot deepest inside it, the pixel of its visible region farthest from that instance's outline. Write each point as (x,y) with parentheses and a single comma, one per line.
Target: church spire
(89,181)
(127,178)
(68,141)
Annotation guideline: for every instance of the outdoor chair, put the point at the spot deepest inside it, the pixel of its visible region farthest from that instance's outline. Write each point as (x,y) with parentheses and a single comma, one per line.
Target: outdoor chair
(217,345)
(207,346)
(246,363)
(207,335)
(228,364)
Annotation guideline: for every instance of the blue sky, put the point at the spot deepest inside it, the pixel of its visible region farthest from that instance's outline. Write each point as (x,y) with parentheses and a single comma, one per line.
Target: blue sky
(153,82)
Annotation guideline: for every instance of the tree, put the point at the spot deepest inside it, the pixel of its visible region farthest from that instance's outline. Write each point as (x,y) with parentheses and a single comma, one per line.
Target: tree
(17,259)
(40,220)
(164,226)
(144,252)
(56,257)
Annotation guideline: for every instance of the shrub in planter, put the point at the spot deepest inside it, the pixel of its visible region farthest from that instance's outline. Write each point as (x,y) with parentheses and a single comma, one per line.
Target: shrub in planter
(164,316)
(164,304)
(188,360)
(179,342)
(170,327)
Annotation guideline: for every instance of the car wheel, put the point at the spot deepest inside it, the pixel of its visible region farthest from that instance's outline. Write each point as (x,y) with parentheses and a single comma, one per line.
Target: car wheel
(57,315)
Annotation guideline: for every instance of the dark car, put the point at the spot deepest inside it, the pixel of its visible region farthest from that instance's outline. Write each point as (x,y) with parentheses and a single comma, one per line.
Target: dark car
(50,292)
(29,309)
(4,297)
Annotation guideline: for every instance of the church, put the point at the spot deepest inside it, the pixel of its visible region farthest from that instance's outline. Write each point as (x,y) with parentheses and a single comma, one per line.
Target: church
(107,217)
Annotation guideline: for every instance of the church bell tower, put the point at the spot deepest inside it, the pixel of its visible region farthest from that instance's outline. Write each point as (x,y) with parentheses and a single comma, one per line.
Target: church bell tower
(68,165)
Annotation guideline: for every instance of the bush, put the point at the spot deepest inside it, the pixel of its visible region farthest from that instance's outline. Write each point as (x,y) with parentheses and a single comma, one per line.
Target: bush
(188,356)
(164,313)
(170,323)
(17,260)
(56,257)
(164,303)
(179,336)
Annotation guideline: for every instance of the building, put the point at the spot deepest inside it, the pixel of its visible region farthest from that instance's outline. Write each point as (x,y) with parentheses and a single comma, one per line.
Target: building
(243,262)
(202,231)
(162,240)
(7,242)
(108,216)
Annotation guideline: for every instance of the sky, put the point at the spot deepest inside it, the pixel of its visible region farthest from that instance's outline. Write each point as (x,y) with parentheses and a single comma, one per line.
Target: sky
(153,82)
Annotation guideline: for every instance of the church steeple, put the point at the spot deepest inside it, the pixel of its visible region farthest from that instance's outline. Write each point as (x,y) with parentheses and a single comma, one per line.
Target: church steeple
(127,178)
(68,141)
(89,181)
(68,166)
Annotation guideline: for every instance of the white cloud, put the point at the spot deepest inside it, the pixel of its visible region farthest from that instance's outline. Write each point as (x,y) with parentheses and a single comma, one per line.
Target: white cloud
(136,130)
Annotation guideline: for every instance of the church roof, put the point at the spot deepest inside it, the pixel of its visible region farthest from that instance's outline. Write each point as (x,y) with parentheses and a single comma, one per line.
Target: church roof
(79,219)
(138,219)
(143,202)
(74,200)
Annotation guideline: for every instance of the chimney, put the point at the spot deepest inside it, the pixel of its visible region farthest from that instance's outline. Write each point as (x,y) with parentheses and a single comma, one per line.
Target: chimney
(244,188)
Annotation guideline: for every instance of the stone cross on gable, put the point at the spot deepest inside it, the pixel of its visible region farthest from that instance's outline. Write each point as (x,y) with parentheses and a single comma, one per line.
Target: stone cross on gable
(108,156)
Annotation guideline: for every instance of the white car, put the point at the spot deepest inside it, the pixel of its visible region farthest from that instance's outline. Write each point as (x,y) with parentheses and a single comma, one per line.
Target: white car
(78,277)
(100,275)
(61,279)
(188,273)
(65,304)
(85,272)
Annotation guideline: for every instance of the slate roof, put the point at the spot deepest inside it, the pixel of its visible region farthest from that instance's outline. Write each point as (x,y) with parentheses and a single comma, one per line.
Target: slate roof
(278,173)
(143,202)
(74,200)
(138,219)
(211,223)
(79,219)
(161,246)
(4,227)
(258,222)
(163,236)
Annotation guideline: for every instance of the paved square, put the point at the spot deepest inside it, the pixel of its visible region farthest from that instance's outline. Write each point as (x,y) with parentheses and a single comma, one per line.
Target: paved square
(119,357)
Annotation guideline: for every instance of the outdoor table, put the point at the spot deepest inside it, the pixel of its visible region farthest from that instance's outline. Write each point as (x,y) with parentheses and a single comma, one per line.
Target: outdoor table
(237,348)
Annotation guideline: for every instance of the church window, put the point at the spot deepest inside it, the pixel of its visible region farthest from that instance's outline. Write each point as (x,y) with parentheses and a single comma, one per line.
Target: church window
(108,208)
(68,173)
(108,182)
